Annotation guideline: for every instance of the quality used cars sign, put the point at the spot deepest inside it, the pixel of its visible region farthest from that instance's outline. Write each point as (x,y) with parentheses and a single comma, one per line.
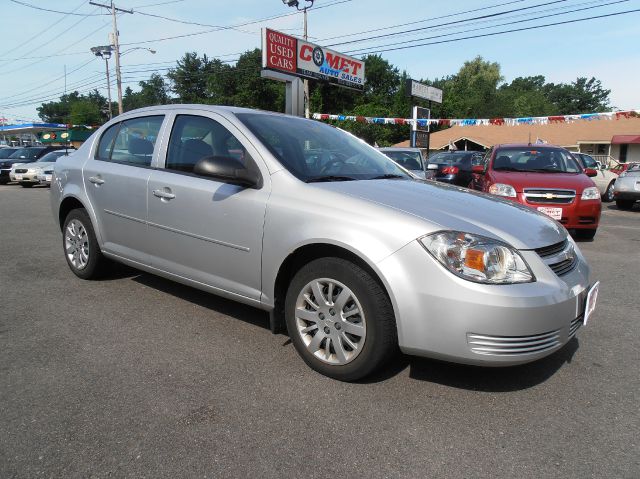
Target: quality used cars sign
(298,57)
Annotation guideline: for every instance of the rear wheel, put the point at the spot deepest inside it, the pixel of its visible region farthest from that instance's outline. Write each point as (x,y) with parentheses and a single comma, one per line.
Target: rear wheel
(81,248)
(340,320)
(624,204)
(26,185)
(608,195)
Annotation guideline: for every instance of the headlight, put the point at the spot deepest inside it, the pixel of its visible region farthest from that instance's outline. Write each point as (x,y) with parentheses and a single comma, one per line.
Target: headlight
(591,193)
(501,189)
(476,258)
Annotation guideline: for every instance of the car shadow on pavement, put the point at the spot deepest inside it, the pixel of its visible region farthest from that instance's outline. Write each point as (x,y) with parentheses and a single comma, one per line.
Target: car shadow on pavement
(210,301)
(475,378)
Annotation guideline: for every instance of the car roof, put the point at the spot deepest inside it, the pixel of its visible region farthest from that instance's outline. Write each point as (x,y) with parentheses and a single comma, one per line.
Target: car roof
(398,148)
(198,106)
(538,146)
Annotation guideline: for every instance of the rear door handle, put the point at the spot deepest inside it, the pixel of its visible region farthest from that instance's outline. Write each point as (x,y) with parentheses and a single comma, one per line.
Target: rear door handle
(165,195)
(96,180)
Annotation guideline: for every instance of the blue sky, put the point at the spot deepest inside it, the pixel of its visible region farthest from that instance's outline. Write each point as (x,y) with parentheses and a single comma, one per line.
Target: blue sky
(37,45)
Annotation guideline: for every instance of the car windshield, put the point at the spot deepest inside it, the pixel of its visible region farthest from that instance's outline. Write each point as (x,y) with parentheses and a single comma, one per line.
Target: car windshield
(449,158)
(6,152)
(411,160)
(588,162)
(313,151)
(52,156)
(530,159)
(633,170)
(26,153)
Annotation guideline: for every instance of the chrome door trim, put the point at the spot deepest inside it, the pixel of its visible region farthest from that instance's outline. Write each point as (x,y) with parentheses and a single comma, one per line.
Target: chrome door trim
(203,238)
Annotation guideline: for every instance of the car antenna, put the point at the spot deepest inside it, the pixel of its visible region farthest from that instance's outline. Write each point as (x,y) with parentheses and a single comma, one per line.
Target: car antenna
(529,137)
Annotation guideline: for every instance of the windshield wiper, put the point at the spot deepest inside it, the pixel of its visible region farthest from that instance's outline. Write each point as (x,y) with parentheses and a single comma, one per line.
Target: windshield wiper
(321,179)
(507,168)
(388,176)
(547,170)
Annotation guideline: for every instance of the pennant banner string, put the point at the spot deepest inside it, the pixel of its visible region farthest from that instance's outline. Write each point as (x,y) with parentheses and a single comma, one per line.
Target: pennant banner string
(531,120)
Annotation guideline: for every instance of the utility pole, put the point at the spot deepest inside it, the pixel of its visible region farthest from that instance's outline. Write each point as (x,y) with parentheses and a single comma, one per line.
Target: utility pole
(116,46)
(305,81)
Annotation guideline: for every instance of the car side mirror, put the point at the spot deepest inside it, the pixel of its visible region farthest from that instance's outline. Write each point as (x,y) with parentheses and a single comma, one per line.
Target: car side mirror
(591,172)
(479,169)
(228,170)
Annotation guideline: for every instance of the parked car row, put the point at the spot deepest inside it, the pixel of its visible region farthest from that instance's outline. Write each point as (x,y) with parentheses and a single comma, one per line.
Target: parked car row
(567,186)
(30,165)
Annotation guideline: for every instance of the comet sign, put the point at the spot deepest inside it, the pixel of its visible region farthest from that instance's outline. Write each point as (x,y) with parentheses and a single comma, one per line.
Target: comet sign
(294,56)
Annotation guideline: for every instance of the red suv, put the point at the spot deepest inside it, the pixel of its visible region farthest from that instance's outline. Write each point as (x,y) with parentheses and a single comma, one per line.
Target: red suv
(546,178)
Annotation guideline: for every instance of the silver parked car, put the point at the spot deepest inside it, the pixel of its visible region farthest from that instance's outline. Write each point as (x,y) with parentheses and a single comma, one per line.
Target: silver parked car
(341,246)
(409,158)
(627,190)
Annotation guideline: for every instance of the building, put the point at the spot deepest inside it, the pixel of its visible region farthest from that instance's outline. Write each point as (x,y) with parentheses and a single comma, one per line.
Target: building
(26,133)
(611,141)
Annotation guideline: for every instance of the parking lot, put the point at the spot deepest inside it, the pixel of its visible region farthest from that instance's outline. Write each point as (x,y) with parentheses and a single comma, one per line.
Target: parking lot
(136,376)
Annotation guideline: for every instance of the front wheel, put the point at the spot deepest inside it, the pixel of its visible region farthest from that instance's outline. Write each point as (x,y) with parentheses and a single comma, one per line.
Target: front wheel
(81,248)
(339,319)
(586,234)
(26,185)
(608,195)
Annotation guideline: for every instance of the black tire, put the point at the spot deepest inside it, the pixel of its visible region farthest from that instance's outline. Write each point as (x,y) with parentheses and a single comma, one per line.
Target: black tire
(380,342)
(608,194)
(586,234)
(26,185)
(625,204)
(95,265)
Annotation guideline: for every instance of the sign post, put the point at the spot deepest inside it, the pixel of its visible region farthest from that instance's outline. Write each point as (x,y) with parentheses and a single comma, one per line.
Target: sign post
(287,56)
(426,92)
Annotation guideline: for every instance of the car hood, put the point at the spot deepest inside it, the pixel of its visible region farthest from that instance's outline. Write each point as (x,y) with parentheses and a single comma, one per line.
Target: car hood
(43,165)
(447,207)
(522,180)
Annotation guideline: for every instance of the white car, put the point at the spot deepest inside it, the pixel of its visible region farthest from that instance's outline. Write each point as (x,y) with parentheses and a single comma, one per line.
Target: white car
(29,174)
(604,180)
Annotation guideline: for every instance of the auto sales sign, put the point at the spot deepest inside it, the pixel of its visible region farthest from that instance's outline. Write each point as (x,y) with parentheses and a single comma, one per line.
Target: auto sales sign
(287,54)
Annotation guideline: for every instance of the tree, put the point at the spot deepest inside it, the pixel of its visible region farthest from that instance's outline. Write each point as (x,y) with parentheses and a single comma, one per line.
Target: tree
(76,109)
(581,96)
(154,91)
(190,77)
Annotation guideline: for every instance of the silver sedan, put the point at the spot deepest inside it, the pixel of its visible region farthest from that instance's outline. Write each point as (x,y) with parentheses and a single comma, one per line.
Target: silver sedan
(627,189)
(349,254)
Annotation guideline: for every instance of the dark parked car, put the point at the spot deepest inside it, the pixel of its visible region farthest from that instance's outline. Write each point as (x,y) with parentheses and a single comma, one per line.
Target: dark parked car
(453,167)
(27,154)
(6,152)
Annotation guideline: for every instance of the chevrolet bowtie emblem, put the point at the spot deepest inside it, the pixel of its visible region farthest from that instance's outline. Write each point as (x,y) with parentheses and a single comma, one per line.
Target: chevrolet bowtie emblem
(549,196)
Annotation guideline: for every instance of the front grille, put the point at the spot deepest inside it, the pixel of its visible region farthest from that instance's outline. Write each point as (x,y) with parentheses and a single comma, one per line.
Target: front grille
(513,345)
(563,267)
(21,170)
(560,257)
(547,196)
(551,250)
(575,325)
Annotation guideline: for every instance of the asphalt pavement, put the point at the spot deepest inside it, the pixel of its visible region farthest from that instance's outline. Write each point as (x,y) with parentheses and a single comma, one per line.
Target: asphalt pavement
(137,376)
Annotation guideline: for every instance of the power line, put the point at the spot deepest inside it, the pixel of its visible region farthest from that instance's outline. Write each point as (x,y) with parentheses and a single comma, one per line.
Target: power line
(52,11)
(382,50)
(489,15)
(46,29)
(355,51)
(231,27)
(421,21)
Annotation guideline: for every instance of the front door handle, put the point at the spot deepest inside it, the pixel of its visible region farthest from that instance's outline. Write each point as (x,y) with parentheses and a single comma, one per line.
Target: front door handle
(165,195)
(96,180)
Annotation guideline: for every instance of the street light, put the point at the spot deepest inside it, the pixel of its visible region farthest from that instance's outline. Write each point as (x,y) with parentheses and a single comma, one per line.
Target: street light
(104,51)
(296,3)
(137,48)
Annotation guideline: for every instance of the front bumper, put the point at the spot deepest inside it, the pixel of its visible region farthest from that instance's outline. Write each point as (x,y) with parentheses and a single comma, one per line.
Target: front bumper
(26,178)
(579,214)
(626,195)
(443,316)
